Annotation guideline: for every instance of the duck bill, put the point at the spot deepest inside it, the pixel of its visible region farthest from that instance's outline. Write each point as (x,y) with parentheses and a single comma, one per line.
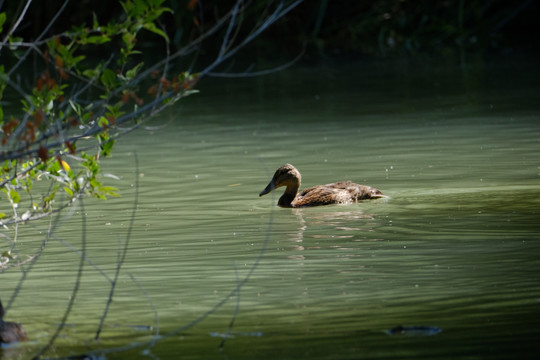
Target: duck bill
(271,186)
(379,195)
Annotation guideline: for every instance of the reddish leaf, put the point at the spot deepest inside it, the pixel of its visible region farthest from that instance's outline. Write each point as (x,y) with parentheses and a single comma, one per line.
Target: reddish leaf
(70,146)
(43,153)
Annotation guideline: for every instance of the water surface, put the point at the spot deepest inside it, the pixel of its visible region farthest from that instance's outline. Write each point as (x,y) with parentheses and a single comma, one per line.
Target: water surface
(221,273)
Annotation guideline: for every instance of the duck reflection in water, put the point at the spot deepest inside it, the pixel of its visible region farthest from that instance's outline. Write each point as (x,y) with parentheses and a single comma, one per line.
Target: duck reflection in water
(9,331)
(343,192)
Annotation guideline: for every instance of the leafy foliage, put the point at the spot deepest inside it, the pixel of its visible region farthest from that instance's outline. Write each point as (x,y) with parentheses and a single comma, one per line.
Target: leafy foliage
(70,117)
(91,84)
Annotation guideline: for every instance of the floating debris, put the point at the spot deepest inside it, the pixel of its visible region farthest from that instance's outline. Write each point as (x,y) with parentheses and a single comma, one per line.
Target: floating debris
(414,330)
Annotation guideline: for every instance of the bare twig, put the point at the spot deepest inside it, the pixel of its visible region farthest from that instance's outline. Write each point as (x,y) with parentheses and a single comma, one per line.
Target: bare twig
(49,25)
(249,73)
(278,13)
(125,249)
(16,23)
(156,317)
(236,310)
(75,287)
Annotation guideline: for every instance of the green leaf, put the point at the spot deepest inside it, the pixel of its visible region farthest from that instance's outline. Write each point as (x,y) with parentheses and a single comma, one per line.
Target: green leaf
(106,147)
(127,5)
(108,78)
(94,183)
(68,191)
(139,9)
(96,39)
(95,21)
(2,20)
(14,195)
(76,60)
(103,122)
(130,74)
(109,190)
(12,40)
(92,73)
(153,28)
(7,254)
(129,39)
(54,167)
(47,199)
(76,107)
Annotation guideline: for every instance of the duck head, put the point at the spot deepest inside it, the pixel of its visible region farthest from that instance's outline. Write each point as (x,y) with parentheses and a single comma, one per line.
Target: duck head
(287,175)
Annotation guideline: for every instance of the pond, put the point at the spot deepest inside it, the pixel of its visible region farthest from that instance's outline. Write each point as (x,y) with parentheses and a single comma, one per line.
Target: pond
(213,271)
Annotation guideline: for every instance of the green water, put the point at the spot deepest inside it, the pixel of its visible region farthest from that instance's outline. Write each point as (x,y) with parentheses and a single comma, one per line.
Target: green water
(456,245)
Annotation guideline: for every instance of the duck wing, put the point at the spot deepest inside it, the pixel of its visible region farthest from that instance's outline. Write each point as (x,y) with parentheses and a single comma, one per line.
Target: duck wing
(357,191)
(321,195)
(343,192)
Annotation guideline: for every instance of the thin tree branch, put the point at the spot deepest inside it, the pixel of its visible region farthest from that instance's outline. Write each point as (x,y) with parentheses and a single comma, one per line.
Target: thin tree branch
(277,14)
(16,24)
(75,287)
(123,254)
(236,310)
(154,310)
(249,73)
(49,25)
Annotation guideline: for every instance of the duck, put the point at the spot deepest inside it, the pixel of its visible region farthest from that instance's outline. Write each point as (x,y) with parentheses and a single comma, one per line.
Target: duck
(10,331)
(342,192)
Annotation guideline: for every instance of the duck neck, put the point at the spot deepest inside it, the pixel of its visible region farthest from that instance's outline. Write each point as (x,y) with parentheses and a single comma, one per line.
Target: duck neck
(289,195)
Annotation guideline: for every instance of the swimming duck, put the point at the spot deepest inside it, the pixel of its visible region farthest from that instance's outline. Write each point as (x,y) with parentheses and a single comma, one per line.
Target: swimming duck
(343,192)
(10,331)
